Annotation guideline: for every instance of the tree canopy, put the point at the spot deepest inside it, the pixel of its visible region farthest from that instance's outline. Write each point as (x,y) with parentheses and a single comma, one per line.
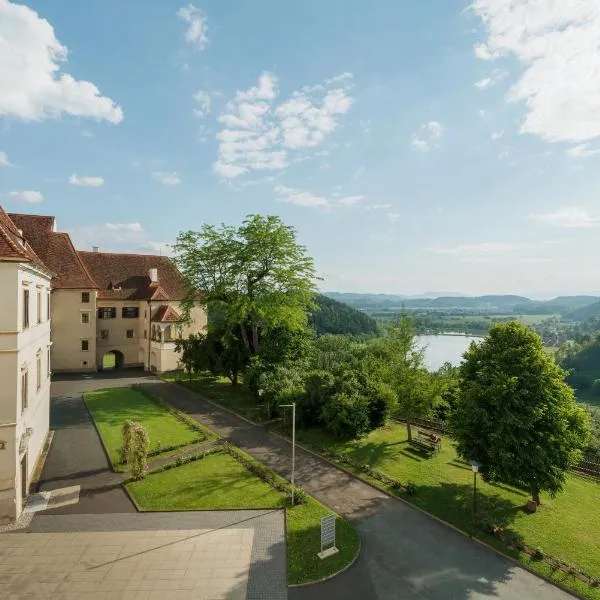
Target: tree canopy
(252,278)
(515,413)
(331,316)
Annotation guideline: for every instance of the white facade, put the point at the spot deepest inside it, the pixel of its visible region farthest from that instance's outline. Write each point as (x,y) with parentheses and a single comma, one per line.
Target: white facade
(24,378)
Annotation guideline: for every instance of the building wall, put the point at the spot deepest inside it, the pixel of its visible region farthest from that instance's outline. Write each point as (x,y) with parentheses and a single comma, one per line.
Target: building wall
(23,429)
(163,356)
(117,332)
(68,330)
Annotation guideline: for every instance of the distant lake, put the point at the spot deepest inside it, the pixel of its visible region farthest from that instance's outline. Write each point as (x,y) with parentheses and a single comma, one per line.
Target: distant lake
(444,348)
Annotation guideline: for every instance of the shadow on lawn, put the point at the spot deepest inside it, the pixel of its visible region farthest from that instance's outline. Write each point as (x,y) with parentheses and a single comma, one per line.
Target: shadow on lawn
(453,502)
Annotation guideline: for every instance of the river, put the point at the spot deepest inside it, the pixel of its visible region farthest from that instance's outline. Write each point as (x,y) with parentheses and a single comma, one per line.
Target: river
(444,348)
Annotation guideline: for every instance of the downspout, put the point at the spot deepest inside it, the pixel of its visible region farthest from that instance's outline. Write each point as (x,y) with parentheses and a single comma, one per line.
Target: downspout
(149,332)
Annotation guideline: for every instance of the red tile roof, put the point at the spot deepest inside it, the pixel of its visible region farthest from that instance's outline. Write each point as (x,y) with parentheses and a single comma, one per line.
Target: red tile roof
(166,314)
(14,245)
(56,250)
(126,276)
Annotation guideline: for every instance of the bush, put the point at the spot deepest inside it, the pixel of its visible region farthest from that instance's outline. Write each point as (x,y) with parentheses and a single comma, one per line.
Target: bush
(411,489)
(538,554)
(318,387)
(346,415)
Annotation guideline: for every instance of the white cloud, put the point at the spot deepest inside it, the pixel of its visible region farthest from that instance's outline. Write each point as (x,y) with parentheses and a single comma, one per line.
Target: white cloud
(259,134)
(393,216)
(124,227)
(557,42)
(305,198)
(204,101)
(33,88)
(166,178)
(496,76)
(483,83)
(4,162)
(569,218)
(125,237)
(581,151)
(496,135)
(350,200)
(162,248)
(87,134)
(31,196)
(196,32)
(86,181)
(377,206)
(428,136)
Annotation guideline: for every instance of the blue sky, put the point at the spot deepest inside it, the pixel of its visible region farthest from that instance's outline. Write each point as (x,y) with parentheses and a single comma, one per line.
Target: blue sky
(416,146)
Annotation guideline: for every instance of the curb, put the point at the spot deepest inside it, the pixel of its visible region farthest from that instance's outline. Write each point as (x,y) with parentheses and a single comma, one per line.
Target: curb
(89,413)
(34,482)
(328,577)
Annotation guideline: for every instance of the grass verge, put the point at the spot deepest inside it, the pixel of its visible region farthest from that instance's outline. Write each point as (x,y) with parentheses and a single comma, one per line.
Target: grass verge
(111,408)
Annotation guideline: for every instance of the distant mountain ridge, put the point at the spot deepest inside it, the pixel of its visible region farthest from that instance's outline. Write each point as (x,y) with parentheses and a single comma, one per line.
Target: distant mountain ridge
(508,303)
(586,312)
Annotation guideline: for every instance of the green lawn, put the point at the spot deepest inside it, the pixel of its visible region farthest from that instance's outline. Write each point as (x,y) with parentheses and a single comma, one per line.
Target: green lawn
(565,527)
(220,390)
(110,408)
(221,482)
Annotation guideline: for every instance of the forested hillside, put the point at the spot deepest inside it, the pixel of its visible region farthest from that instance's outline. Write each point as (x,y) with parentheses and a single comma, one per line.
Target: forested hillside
(583,361)
(332,316)
(586,312)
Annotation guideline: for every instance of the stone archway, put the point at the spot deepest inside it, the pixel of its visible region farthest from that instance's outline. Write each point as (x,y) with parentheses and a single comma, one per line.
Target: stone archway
(113,359)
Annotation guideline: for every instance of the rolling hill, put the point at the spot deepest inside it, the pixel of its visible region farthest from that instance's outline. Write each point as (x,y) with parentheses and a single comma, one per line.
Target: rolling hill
(336,317)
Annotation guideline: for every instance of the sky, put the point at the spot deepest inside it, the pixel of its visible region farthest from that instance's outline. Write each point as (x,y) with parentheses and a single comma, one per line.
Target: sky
(447,145)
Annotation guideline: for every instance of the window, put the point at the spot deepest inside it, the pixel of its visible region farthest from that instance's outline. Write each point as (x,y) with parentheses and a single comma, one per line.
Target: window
(24,390)
(130,333)
(130,312)
(48,363)
(85,317)
(104,334)
(85,297)
(25,309)
(145,334)
(38,374)
(85,345)
(48,306)
(39,307)
(167,334)
(107,312)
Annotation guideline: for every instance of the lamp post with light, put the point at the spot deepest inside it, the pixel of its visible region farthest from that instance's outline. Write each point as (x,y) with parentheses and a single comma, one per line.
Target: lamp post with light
(475,468)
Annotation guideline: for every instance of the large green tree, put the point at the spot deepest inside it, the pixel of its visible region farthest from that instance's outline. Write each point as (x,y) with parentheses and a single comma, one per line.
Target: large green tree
(255,277)
(515,413)
(404,370)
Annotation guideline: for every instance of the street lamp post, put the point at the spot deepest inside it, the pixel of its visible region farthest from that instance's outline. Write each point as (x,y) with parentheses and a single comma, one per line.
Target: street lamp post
(293,407)
(475,468)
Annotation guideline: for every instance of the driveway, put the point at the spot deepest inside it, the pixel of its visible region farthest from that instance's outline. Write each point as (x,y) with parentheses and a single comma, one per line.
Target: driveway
(406,554)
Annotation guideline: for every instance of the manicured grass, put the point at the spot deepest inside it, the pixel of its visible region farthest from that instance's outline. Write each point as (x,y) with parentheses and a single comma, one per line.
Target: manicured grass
(221,482)
(111,408)
(565,527)
(220,390)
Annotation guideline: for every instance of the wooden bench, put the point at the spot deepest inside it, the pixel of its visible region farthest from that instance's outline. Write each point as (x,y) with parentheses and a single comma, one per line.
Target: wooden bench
(425,442)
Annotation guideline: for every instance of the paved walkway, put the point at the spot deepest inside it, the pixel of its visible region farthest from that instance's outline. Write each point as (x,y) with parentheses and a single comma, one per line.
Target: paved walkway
(406,554)
(76,458)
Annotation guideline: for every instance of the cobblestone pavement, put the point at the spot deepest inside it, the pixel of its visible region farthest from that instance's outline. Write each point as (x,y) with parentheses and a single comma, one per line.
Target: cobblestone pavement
(216,555)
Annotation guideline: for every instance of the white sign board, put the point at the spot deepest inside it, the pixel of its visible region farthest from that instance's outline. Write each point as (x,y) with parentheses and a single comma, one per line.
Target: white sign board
(327,537)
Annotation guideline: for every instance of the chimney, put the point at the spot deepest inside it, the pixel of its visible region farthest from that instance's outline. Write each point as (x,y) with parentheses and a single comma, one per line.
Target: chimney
(95,248)
(21,240)
(153,274)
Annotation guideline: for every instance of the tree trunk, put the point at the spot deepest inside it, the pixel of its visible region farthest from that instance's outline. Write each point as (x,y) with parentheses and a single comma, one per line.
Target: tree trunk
(408,430)
(535,494)
(245,338)
(233,377)
(255,338)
